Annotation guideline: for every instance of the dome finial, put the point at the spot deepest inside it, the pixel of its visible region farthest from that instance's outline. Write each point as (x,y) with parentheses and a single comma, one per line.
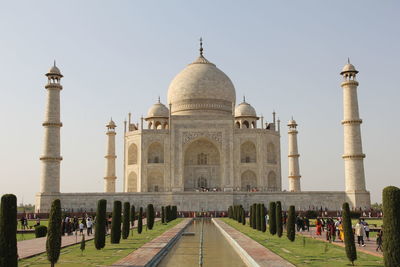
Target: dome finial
(159,99)
(54,63)
(201,46)
(348,60)
(244,99)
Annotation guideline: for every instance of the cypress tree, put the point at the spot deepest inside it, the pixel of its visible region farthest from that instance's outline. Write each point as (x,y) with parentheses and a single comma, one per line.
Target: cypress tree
(116,223)
(133,215)
(391,222)
(162,214)
(272,218)
(290,226)
(168,213)
(254,216)
(101,220)
(240,214)
(8,231)
(348,234)
(258,217)
(251,216)
(243,216)
(174,212)
(83,244)
(150,216)
(125,223)
(279,227)
(263,222)
(140,221)
(53,242)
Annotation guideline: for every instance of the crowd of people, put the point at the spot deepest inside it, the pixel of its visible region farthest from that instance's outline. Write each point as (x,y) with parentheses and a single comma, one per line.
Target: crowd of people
(73,224)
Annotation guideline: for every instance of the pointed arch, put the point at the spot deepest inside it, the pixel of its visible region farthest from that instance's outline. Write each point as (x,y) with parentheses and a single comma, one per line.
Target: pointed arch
(132,182)
(155,182)
(155,153)
(132,154)
(271,153)
(248,152)
(248,180)
(245,124)
(272,183)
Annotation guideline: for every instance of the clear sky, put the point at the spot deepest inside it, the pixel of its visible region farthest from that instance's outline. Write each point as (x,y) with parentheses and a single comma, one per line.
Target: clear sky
(119,56)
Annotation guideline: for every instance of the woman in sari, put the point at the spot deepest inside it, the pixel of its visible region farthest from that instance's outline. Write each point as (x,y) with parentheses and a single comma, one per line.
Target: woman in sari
(318,225)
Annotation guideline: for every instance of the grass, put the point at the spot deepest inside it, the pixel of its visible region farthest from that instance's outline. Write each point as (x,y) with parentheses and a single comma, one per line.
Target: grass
(28,236)
(305,251)
(72,256)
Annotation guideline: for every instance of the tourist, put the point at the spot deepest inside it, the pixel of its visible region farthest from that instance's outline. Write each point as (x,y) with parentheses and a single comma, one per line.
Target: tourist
(360,232)
(366,228)
(38,220)
(22,220)
(379,240)
(81,226)
(341,232)
(307,224)
(89,224)
(318,225)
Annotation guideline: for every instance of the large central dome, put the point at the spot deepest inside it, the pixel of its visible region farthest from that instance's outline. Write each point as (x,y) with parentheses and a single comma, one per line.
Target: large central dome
(201,87)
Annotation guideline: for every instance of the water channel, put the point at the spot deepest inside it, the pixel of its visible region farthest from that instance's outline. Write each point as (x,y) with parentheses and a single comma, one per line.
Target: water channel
(208,249)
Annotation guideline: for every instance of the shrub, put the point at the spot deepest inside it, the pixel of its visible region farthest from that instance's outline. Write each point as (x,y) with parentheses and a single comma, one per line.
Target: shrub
(133,215)
(174,212)
(243,216)
(140,221)
(116,223)
(53,242)
(240,214)
(279,227)
(254,216)
(350,247)
(263,222)
(290,226)
(83,244)
(258,217)
(391,222)
(355,214)
(251,216)
(150,216)
(168,213)
(101,221)
(162,214)
(40,231)
(8,231)
(125,223)
(272,218)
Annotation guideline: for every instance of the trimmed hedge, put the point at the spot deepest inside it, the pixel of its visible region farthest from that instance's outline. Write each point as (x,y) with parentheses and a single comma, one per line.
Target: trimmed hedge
(350,247)
(150,216)
(290,226)
(140,221)
(40,231)
(263,221)
(279,227)
(133,215)
(101,223)
(8,231)
(53,242)
(162,214)
(125,223)
(272,218)
(116,223)
(391,222)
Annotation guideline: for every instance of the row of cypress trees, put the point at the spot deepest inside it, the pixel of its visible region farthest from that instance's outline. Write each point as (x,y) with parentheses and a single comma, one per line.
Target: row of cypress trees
(168,213)
(237,213)
(257,217)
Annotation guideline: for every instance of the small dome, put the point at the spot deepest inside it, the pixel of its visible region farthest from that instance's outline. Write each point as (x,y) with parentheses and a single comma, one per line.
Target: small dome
(244,109)
(292,122)
(349,68)
(111,124)
(54,70)
(158,110)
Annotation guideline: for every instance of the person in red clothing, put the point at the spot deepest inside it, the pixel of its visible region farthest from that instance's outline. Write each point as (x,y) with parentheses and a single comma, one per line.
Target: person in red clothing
(318,224)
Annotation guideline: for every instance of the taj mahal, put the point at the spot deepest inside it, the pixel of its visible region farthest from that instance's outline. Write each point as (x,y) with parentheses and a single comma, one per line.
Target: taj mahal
(203,151)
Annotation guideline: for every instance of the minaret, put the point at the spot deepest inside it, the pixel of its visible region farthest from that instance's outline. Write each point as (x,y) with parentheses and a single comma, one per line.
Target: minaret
(294,169)
(353,156)
(51,158)
(109,179)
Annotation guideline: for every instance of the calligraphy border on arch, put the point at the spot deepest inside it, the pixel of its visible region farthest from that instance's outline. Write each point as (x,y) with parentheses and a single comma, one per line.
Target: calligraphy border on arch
(188,136)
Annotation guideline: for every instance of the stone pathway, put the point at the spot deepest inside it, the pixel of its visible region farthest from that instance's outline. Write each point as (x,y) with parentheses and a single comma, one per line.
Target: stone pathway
(370,247)
(153,250)
(33,247)
(260,255)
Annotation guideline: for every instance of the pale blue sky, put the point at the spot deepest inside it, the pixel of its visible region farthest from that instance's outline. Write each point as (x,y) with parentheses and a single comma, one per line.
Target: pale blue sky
(118,56)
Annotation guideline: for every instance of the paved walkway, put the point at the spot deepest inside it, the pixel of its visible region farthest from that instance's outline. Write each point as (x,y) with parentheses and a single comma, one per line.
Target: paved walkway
(33,247)
(370,246)
(257,254)
(153,250)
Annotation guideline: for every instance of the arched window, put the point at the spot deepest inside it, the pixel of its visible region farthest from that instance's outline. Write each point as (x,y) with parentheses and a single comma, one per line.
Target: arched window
(248,152)
(155,182)
(132,182)
(246,124)
(202,159)
(237,124)
(271,153)
(248,181)
(132,154)
(272,183)
(155,153)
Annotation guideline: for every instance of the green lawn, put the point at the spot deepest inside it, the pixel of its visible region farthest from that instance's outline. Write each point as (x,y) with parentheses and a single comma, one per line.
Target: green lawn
(305,251)
(71,256)
(27,236)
